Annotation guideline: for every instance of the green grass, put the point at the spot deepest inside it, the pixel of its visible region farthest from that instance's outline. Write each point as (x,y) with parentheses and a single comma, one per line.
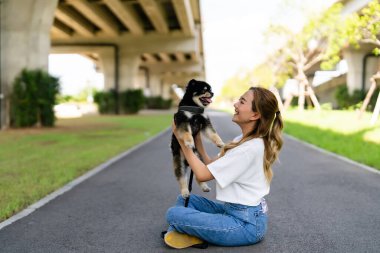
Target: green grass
(35,162)
(340,132)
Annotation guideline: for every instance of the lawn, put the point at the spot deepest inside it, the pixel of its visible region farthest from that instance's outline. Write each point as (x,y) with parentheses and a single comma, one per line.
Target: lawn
(35,162)
(340,132)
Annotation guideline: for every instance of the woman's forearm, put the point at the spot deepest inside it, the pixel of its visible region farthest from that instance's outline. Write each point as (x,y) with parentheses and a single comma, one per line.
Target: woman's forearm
(198,167)
(202,151)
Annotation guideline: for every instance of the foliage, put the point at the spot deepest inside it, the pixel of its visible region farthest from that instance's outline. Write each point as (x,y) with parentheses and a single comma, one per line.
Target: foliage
(106,101)
(346,100)
(357,28)
(365,26)
(132,101)
(269,74)
(315,42)
(33,98)
(157,102)
(236,85)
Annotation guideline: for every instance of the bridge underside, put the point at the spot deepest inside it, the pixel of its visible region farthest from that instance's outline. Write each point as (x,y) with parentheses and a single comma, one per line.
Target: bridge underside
(148,44)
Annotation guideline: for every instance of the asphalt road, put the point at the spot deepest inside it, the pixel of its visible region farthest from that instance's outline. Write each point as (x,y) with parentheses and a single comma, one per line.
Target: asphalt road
(317,203)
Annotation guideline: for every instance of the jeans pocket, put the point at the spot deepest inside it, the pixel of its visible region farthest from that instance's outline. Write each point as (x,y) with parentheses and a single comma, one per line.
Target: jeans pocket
(238,211)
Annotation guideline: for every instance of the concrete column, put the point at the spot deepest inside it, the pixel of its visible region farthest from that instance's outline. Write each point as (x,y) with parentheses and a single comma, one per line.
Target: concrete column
(156,84)
(128,71)
(107,66)
(25,41)
(355,68)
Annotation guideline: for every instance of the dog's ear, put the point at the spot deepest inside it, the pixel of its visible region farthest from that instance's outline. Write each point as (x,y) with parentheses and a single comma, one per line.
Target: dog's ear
(192,82)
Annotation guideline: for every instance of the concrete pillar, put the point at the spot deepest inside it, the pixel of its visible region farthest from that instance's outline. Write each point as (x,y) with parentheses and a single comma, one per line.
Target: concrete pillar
(128,71)
(108,67)
(25,41)
(355,68)
(156,84)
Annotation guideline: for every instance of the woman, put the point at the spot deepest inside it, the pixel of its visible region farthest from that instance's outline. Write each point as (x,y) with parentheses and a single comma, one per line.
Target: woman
(243,174)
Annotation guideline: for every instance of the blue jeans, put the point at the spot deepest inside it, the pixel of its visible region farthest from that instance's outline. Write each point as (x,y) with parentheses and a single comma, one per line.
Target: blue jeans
(219,223)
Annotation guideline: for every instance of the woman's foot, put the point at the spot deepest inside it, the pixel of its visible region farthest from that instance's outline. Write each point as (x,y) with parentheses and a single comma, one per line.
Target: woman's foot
(180,241)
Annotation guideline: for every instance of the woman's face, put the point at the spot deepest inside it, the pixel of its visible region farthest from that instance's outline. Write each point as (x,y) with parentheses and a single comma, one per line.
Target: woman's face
(243,109)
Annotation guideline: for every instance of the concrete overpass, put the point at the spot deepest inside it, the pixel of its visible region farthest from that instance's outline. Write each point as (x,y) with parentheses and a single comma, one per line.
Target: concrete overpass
(146,44)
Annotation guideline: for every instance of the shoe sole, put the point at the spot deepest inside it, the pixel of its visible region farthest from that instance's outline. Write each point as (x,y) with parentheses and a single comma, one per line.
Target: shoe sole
(180,241)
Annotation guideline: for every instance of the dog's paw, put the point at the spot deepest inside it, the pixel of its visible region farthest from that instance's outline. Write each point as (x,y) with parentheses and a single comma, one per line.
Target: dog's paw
(205,187)
(220,144)
(185,193)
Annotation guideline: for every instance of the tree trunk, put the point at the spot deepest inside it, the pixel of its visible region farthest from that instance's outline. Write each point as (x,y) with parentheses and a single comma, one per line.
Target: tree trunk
(305,88)
(369,93)
(376,112)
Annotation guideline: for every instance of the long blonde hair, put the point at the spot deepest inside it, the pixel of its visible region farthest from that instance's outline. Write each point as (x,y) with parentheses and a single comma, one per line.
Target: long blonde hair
(268,127)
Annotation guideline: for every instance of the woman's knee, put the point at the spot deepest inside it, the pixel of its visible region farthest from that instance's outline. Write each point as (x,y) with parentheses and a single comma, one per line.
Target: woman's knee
(180,200)
(173,214)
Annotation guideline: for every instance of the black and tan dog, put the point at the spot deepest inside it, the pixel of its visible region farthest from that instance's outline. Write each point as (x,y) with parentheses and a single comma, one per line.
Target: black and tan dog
(190,120)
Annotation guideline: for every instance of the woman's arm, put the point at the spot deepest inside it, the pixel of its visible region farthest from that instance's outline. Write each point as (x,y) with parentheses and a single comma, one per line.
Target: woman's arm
(202,151)
(198,167)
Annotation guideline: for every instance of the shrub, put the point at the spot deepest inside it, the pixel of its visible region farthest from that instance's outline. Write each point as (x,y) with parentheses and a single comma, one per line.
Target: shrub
(345,100)
(132,101)
(158,102)
(33,98)
(106,101)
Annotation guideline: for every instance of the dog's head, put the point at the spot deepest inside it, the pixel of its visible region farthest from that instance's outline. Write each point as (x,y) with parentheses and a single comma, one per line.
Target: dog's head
(197,92)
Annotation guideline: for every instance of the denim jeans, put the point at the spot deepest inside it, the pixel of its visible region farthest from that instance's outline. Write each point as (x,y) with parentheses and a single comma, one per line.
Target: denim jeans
(219,223)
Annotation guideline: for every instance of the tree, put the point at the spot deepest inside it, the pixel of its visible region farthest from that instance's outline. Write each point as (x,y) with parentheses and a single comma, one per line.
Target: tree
(236,85)
(364,27)
(313,45)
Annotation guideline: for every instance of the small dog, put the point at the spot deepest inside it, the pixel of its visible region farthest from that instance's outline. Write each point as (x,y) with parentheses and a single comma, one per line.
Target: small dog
(190,120)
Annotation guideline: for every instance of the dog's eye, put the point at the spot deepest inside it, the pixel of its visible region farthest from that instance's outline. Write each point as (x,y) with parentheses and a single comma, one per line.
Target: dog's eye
(205,88)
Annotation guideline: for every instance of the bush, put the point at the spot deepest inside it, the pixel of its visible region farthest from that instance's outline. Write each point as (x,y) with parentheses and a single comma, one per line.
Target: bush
(158,102)
(132,101)
(345,100)
(106,101)
(33,98)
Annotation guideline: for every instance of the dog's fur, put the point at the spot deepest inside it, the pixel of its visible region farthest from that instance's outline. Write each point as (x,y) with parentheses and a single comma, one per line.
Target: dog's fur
(189,124)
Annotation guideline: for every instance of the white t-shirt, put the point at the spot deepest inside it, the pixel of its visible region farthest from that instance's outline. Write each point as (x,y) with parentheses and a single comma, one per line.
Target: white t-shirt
(239,174)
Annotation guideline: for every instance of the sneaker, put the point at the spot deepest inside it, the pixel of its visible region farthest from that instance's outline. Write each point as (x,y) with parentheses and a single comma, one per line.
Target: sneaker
(180,241)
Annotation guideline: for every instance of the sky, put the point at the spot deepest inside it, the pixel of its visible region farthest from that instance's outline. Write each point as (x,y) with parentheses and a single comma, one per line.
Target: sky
(232,38)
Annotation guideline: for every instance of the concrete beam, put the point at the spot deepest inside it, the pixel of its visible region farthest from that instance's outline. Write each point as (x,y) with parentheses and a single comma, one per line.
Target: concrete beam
(164,57)
(155,13)
(70,19)
(95,15)
(184,15)
(173,67)
(126,15)
(59,33)
(180,57)
(150,59)
(141,44)
(195,10)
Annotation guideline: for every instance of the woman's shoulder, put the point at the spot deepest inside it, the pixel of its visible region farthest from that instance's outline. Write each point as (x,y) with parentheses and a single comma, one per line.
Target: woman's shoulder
(255,143)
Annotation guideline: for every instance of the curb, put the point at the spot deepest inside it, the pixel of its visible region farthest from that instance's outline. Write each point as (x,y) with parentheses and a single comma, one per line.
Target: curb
(363,166)
(30,209)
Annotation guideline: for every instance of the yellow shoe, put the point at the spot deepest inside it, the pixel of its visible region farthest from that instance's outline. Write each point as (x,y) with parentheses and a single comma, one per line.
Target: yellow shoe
(178,240)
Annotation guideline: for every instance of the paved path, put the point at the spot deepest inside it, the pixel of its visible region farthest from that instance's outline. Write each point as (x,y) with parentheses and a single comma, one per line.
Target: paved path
(317,204)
